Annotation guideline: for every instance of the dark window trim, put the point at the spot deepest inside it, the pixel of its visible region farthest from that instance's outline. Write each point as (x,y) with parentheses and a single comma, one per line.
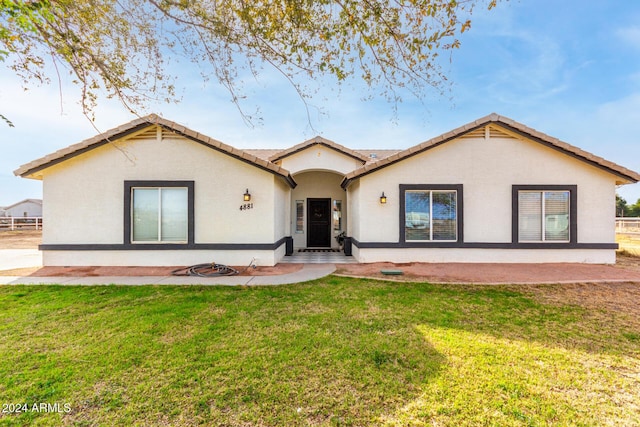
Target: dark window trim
(459,214)
(128,186)
(573,214)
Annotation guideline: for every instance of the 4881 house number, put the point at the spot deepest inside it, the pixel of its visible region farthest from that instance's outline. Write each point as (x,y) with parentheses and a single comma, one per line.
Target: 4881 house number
(246,206)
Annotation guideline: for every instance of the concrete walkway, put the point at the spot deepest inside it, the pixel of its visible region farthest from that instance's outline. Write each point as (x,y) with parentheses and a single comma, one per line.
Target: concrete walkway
(20,258)
(308,272)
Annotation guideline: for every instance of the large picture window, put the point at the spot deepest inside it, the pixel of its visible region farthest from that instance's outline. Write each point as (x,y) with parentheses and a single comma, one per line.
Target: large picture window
(159,212)
(545,215)
(430,213)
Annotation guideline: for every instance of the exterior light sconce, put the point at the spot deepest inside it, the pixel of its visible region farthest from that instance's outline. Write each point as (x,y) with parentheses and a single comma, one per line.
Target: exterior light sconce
(383,198)
(247,196)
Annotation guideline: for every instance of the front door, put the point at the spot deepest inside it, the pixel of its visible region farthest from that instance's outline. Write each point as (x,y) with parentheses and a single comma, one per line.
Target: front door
(318,223)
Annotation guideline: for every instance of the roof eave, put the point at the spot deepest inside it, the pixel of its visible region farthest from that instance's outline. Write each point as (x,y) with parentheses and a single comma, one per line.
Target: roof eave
(29,169)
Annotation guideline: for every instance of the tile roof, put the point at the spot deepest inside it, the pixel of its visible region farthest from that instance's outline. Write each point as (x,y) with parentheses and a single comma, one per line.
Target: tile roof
(318,140)
(510,125)
(139,124)
(266,153)
(266,158)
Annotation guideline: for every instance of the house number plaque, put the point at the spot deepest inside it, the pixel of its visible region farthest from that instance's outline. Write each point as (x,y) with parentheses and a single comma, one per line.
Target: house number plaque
(246,206)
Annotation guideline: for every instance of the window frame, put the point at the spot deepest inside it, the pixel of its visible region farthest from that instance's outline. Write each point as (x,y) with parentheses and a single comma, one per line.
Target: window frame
(299,215)
(129,186)
(336,215)
(573,213)
(457,188)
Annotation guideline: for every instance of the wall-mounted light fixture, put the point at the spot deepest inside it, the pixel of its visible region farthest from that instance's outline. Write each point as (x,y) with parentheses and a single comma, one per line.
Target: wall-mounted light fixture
(383,198)
(247,196)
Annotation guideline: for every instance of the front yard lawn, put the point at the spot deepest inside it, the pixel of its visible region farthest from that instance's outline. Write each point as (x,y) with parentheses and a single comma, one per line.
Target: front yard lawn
(336,351)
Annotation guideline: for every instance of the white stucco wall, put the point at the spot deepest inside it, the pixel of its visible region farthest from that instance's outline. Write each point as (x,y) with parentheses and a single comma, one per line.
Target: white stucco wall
(353,212)
(162,258)
(96,180)
(319,157)
(282,215)
(530,256)
(487,169)
(316,185)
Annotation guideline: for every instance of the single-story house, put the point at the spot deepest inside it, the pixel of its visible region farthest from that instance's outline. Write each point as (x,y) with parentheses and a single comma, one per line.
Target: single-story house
(153,192)
(24,208)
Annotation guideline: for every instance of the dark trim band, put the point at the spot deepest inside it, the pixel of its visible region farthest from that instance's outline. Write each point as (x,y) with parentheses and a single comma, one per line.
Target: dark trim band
(164,247)
(480,245)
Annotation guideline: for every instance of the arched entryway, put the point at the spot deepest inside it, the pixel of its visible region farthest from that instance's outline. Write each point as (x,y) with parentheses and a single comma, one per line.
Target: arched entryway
(318,210)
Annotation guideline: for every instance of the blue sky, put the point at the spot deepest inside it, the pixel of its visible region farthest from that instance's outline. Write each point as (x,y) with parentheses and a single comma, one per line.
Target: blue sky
(568,68)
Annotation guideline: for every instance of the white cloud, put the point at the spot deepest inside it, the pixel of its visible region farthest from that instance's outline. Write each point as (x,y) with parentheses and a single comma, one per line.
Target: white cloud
(630,35)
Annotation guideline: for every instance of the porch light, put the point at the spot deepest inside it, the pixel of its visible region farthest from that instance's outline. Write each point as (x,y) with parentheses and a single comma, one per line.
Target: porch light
(247,196)
(383,198)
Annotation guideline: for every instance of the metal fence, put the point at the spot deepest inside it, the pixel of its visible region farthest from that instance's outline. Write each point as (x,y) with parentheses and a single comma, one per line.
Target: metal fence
(628,225)
(21,223)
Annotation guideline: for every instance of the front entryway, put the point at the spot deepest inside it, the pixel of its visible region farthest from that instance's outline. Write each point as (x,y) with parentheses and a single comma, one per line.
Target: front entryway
(318,223)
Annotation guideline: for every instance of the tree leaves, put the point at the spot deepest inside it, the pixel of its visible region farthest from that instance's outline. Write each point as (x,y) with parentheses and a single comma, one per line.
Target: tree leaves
(119,47)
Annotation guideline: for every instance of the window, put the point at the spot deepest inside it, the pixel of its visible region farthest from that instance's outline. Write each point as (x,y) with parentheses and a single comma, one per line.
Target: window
(337,215)
(159,212)
(430,213)
(299,216)
(545,215)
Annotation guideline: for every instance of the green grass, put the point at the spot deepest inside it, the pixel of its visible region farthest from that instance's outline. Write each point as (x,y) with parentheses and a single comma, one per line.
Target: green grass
(336,352)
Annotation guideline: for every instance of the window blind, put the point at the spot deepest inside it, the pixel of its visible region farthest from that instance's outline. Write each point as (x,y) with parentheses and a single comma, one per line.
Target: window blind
(543,216)
(530,216)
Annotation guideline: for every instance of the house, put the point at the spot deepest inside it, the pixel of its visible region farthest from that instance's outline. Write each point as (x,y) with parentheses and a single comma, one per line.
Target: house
(153,192)
(24,208)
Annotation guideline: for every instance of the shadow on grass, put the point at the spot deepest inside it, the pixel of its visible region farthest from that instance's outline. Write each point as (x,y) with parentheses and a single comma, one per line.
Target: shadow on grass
(314,353)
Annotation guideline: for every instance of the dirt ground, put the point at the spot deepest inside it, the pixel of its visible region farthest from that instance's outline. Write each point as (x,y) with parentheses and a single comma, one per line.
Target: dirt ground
(20,239)
(627,269)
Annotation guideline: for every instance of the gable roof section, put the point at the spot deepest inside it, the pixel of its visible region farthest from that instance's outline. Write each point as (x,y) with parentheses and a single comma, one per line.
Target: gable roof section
(509,125)
(35,201)
(139,124)
(318,140)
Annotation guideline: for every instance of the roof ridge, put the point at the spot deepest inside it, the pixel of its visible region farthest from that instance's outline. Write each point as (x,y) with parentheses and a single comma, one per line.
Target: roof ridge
(315,141)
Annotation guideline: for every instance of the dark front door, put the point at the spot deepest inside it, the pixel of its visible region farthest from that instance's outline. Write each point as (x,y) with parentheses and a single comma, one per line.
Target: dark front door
(318,223)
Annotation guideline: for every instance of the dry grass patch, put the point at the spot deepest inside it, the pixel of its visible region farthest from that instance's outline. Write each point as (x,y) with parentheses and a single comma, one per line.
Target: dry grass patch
(629,244)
